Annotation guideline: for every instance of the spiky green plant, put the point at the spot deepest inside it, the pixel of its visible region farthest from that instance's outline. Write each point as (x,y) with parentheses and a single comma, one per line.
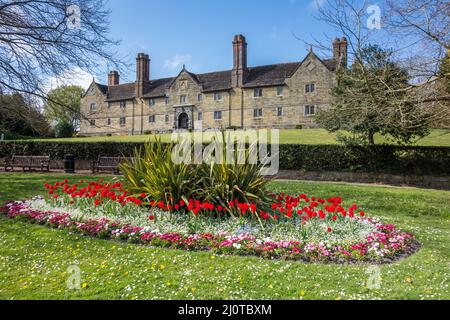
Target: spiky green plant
(235,179)
(153,172)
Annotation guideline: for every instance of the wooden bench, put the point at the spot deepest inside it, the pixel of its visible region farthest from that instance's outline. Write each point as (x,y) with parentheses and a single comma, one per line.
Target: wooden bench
(28,163)
(108,164)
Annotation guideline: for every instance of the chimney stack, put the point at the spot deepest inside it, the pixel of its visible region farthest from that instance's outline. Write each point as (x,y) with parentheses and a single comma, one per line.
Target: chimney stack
(239,71)
(113,78)
(344,48)
(340,48)
(142,72)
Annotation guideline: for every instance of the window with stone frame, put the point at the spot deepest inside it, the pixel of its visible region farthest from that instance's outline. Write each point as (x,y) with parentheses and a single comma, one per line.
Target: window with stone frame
(167,118)
(279,111)
(183,99)
(257,93)
(109,121)
(310,87)
(151,102)
(217,115)
(280,91)
(151,119)
(93,107)
(218,96)
(166,100)
(257,113)
(123,104)
(200,116)
(92,123)
(310,110)
(122,121)
(200,97)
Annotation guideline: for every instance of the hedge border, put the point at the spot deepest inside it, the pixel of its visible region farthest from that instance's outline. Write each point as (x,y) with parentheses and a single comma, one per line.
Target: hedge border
(379,158)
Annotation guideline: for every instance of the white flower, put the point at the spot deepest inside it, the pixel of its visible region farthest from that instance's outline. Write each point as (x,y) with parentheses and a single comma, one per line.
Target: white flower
(237,245)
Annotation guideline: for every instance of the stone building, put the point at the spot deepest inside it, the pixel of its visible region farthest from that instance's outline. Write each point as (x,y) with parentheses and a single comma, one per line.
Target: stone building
(273,96)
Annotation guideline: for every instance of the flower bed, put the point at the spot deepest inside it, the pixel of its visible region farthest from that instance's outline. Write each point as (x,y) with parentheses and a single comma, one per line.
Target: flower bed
(309,229)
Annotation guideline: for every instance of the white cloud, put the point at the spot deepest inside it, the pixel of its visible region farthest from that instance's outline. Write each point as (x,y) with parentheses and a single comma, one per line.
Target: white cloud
(317,4)
(177,61)
(74,76)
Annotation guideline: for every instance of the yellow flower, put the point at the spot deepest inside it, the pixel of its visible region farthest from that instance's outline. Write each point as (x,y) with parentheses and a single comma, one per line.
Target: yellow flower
(162,267)
(84,285)
(302,293)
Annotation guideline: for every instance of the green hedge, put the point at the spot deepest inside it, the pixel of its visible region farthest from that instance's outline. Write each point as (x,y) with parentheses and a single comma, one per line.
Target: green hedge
(379,158)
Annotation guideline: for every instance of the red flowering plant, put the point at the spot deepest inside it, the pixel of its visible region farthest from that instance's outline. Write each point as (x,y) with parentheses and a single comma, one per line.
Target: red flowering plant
(293,227)
(214,190)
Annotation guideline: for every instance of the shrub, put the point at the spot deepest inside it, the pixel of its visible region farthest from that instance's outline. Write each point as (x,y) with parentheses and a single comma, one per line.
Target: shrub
(153,171)
(64,130)
(14,136)
(377,158)
(235,180)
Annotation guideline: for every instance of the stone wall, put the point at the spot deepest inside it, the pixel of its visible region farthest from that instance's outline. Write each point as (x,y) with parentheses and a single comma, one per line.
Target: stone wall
(237,105)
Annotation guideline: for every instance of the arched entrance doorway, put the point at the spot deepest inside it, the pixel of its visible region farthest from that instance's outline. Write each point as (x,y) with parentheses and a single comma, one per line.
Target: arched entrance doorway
(183,121)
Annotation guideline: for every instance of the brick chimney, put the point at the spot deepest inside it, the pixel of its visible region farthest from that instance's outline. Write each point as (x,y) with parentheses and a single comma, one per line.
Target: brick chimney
(344,48)
(340,48)
(113,78)
(239,71)
(142,73)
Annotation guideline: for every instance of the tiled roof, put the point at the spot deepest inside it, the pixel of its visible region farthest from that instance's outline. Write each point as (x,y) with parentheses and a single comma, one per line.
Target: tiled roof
(103,88)
(270,75)
(124,91)
(215,81)
(158,87)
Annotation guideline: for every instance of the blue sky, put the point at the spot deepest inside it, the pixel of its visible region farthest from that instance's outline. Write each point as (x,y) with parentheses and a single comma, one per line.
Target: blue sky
(199,32)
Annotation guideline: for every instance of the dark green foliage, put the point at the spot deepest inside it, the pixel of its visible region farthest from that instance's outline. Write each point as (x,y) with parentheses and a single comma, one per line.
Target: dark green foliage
(377,158)
(371,97)
(19,118)
(64,129)
(63,105)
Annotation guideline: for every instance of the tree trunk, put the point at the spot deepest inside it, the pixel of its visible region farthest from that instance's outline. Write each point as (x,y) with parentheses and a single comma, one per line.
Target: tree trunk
(371,138)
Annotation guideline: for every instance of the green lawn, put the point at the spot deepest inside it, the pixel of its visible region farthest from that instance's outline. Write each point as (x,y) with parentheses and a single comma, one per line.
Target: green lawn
(305,136)
(34,259)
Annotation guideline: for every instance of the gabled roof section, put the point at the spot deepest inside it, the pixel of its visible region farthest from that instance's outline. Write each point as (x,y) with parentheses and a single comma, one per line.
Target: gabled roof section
(215,81)
(103,89)
(270,75)
(330,64)
(124,91)
(184,70)
(158,88)
(260,76)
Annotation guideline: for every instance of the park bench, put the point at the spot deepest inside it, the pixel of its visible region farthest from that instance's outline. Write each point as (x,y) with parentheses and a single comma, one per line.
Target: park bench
(108,164)
(28,163)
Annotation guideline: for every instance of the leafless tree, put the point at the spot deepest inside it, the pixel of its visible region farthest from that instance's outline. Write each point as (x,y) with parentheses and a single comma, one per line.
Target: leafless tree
(417,31)
(40,39)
